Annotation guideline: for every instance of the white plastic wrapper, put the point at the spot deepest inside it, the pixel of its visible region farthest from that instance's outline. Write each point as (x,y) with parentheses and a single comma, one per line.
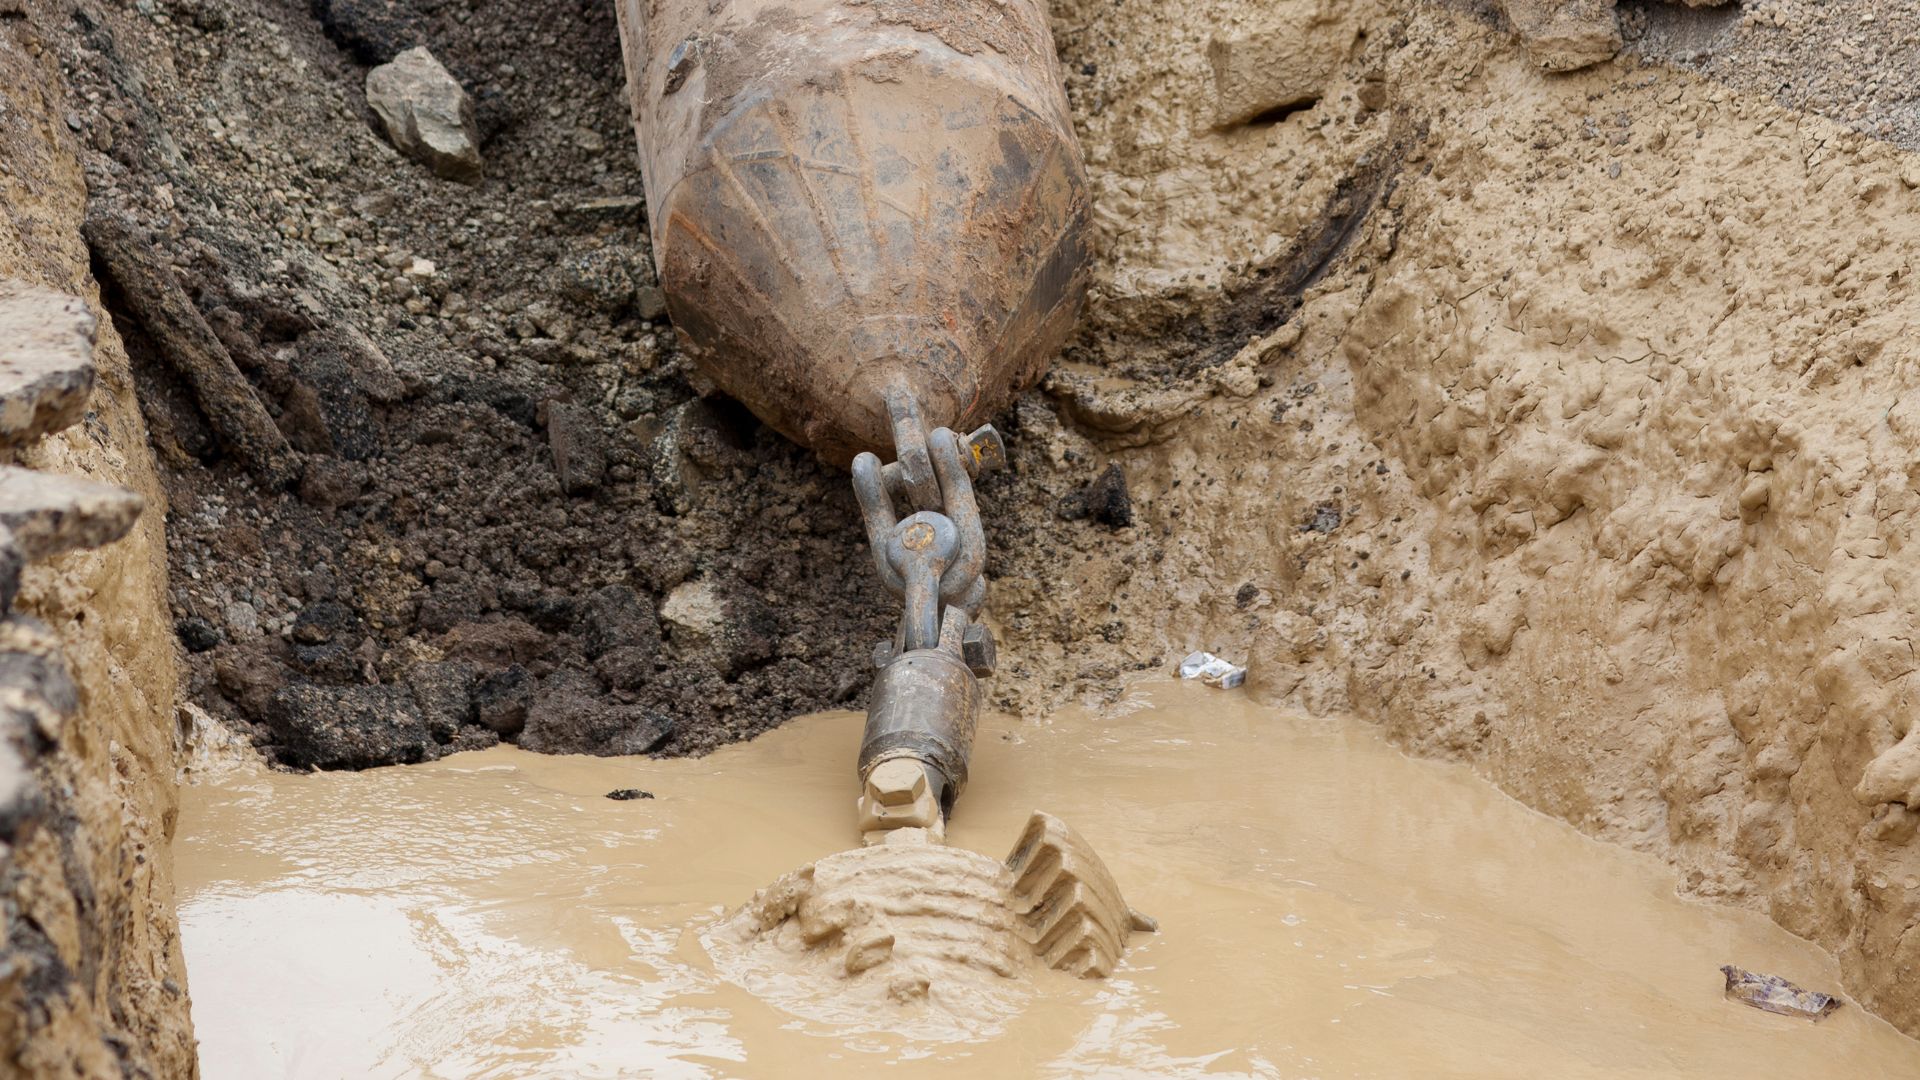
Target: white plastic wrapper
(1212,670)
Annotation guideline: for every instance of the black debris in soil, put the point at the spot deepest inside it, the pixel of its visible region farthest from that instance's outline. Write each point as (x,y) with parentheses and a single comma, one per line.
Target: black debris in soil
(627,794)
(197,634)
(1325,518)
(371,31)
(1105,500)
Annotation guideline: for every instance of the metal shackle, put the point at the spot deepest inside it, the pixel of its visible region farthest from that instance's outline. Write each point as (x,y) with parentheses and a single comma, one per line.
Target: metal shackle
(919,550)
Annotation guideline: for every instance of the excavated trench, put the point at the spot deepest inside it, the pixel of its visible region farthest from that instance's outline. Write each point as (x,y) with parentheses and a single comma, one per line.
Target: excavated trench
(1552,424)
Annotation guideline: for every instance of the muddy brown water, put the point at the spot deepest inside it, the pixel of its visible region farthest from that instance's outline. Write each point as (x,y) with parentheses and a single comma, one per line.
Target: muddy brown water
(1329,908)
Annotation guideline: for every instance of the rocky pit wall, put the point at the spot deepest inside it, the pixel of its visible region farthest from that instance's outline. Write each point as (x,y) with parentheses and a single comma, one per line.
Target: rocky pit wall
(91,978)
(1553,421)
(1586,459)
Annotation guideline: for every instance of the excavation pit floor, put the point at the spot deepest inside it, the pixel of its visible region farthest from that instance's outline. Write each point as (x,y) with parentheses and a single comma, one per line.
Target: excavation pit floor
(1328,908)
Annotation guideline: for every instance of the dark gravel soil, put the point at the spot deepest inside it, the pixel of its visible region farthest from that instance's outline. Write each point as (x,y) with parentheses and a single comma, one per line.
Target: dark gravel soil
(1853,61)
(512,517)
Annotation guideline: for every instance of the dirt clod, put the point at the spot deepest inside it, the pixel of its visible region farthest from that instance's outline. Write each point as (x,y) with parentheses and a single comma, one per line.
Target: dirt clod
(1104,499)
(372,31)
(570,714)
(349,727)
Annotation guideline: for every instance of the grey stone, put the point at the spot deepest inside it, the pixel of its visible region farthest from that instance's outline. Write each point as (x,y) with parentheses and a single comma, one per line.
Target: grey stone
(243,621)
(579,447)
(570,715)
(500,701)
(1565,35)
(650,302)
(46,362)
(50,513)
(444,692)
(427,114)
(348,727)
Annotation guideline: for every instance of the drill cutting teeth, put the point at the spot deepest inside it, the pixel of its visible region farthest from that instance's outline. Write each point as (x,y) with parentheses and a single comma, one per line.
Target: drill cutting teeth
(1067,902)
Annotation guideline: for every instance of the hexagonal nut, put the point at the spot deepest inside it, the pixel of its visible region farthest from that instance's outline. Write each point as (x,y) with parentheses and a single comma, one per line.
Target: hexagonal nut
(898,782)
(882,654)
(898,794)
(977,648)
(987,449)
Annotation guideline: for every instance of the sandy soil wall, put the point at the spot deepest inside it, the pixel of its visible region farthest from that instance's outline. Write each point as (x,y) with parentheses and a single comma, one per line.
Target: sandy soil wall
(1587,456)
(1658,406)
(91,979)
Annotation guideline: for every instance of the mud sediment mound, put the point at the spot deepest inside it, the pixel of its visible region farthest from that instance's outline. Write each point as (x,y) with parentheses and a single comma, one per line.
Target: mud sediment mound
(856,935)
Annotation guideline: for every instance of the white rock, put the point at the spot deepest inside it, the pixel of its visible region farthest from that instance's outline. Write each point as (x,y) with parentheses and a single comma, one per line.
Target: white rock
(242,620)
(1565,35)
(50,513)
(427,114)
(693,612)
(46,362)
(1212,670)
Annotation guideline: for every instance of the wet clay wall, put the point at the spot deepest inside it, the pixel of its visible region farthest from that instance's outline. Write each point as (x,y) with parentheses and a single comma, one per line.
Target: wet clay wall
(1584,457)
(91,978)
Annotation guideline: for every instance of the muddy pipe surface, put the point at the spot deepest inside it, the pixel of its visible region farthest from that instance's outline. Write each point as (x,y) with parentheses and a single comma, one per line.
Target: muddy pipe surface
(846,197)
